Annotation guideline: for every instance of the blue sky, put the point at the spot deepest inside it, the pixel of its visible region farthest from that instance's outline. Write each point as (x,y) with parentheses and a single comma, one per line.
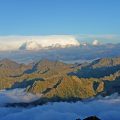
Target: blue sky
(51,17)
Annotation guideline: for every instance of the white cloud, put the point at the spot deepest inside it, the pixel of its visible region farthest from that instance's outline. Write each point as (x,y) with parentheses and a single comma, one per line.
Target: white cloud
(33,42)
(16,96)
(9,43)
(96,42)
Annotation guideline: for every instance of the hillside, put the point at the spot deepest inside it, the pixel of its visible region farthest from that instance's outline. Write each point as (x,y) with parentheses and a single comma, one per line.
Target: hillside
(55,80)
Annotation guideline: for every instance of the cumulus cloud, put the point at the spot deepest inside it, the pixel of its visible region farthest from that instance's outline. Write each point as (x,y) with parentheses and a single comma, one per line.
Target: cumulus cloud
(36,42)
(107,108)
(96,42)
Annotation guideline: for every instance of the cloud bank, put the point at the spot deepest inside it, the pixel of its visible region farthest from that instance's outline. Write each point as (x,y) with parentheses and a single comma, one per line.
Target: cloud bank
(14,43)
(9,43)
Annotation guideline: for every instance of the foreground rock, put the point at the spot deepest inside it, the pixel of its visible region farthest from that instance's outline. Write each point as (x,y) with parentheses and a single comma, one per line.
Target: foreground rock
(90,118)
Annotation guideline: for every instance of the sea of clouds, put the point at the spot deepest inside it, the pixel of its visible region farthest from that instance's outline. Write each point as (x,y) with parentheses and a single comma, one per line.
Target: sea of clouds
(107,108)
(16,96)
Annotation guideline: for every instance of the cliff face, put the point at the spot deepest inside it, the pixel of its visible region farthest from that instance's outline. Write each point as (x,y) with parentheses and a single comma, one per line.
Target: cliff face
(53,79)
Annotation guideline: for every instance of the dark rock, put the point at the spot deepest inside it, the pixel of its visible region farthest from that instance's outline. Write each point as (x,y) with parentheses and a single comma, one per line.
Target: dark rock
(92,118)
(78,119)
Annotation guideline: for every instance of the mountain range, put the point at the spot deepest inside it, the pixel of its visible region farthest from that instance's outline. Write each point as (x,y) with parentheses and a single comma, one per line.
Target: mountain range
(56,81)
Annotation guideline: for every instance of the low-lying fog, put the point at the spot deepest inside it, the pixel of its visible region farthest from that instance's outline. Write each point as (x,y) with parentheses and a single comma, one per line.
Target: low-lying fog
(107,108)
